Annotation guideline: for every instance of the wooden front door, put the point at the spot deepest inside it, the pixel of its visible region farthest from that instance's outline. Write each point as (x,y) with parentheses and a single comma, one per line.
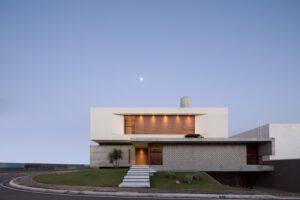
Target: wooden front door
(141,156)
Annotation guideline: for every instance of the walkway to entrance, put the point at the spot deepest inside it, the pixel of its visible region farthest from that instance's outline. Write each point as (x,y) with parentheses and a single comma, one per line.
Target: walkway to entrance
(137,176)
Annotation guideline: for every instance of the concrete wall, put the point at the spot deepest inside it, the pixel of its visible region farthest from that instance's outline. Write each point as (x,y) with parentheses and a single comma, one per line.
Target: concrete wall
(286,136)
(185,157)
(286,175)
(261,132)
(287,141)
(108,123)
(266,149)
(99,154)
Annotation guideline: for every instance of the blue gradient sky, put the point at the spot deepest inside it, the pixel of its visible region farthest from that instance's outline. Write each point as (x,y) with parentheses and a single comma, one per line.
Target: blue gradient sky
(59,58)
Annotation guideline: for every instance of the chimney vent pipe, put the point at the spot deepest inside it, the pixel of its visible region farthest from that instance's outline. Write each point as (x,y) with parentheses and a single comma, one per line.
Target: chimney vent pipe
(185,102)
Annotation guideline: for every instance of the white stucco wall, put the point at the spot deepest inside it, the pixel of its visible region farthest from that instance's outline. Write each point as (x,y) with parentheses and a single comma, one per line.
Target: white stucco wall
(287,139)
(261,132)
(108,123)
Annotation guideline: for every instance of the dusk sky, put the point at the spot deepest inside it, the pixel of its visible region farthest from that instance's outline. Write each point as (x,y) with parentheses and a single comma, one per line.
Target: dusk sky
(58,58)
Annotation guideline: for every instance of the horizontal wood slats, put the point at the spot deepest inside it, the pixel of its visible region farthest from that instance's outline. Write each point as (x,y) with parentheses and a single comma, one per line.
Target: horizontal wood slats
(159,124)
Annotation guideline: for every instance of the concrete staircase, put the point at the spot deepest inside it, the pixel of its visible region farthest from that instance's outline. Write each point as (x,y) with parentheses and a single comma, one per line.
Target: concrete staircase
(137,176)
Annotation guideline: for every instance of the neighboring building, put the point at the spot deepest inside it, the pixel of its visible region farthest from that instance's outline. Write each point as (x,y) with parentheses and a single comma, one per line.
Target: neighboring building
(166,139)
(286,158)
(287,139)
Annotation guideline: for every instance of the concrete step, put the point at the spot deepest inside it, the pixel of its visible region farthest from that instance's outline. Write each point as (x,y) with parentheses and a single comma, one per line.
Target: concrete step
(135,180)
(136,177)
(136,167)
(134,184)
(134,172)
(139,171)
(139,165)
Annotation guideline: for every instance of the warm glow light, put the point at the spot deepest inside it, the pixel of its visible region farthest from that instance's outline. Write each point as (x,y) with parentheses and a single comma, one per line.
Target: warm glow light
(165,119)
(177,119)
(188,119)
(153,119)
(141,119)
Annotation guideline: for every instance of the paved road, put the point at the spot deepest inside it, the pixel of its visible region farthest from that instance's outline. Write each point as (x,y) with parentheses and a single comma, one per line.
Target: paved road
(12,194)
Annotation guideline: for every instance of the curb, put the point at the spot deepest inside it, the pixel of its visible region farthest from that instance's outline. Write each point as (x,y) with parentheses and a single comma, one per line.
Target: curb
(13,184)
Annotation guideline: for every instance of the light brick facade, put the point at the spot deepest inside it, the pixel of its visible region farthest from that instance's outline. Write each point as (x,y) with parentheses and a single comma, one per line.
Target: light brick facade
(214,157)
(185,157)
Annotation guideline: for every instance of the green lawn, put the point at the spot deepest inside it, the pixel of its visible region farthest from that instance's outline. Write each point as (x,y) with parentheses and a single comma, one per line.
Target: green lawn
(113,177)
(86,177)
(160,180)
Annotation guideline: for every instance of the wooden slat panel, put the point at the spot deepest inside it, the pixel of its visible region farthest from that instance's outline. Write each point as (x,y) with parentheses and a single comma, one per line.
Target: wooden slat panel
(129,124)
(252,154)
(155,154)
(164,124)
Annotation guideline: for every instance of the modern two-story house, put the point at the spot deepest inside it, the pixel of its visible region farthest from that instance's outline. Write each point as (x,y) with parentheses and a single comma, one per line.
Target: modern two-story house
(175,139)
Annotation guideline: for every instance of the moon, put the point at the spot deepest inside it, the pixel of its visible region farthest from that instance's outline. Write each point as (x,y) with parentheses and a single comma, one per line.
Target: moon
(141,79)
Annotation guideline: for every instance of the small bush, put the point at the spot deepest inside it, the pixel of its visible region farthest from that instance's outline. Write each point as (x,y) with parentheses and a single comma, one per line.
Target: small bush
(197,176)
(188,179)
(115,156)
(170,175)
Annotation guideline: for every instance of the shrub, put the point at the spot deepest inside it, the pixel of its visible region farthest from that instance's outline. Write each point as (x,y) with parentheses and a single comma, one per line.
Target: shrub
(197,176)
(188,178)
(170,175)
(115,156)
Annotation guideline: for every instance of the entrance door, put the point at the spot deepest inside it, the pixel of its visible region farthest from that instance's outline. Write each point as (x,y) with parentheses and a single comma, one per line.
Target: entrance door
(141,156)
(155,153)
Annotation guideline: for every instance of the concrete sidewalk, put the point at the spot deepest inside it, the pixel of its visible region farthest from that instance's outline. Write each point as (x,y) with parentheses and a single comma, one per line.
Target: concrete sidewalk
(13,183)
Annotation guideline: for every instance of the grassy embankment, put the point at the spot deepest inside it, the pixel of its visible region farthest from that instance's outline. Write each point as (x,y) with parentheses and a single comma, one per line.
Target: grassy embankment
(113,177)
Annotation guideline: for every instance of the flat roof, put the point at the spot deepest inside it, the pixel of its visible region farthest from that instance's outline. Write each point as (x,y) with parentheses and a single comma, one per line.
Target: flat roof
(162,111)
(189,140)
(201,140)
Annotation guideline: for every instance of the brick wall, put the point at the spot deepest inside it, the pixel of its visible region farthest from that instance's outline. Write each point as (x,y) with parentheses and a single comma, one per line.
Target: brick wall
(182,157)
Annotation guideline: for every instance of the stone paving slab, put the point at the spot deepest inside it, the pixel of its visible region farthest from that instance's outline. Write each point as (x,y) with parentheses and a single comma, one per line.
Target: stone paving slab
(135,184)
(131,180)
(136,180)
(137,177)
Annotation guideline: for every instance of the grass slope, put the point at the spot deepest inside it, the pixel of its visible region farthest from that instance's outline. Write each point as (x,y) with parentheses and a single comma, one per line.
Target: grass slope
(113,177)
(87,177)
(160,180)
